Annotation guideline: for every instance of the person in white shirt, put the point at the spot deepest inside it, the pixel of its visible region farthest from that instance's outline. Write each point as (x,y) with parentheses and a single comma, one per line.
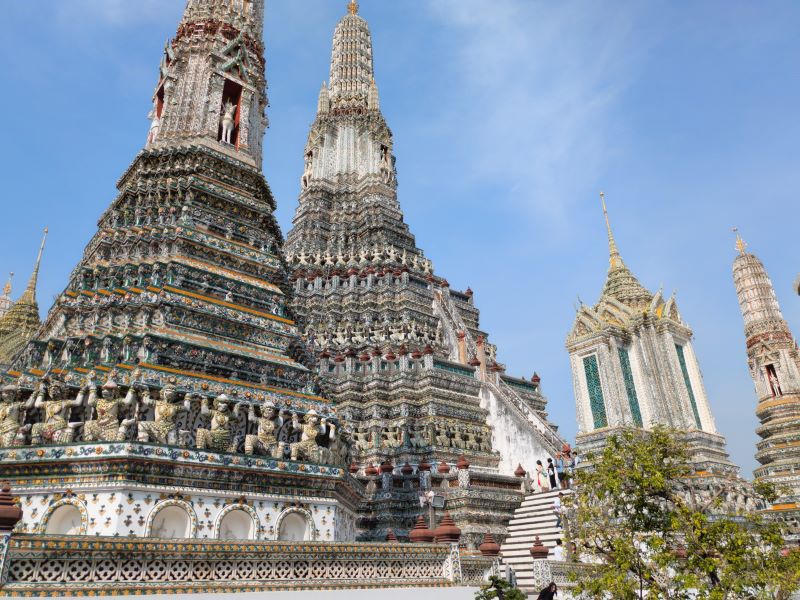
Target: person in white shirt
(558,551)
(558,509)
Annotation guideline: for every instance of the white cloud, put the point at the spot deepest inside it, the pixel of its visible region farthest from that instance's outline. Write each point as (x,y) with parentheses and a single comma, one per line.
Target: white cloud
(539,109)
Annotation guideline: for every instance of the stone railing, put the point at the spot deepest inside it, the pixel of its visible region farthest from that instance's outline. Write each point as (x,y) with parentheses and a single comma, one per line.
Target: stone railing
(560,572)
(476,569)
(553,441)
(63,566)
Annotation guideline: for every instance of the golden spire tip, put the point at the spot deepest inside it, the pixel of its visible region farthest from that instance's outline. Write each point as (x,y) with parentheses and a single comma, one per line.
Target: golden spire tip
(353,7)
(612,244)
(741,245)
(7,288)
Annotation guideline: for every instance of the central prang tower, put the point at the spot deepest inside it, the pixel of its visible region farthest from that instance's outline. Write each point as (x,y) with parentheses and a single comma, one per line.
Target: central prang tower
(400,352)
(172,354)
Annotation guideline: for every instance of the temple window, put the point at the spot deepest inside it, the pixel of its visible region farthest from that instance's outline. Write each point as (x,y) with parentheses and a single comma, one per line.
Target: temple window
(596,400)
(230,113)
(630,386)
(65,520)
(688,382)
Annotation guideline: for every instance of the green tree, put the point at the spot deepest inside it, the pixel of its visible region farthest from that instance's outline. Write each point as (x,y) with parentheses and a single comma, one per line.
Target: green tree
(498,589)
(657,528)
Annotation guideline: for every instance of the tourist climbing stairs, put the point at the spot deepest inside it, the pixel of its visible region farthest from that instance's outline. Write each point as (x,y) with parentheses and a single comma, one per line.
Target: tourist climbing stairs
(534,517)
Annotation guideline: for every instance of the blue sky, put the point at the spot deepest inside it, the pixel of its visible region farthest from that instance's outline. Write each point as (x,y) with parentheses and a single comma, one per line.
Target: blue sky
(509,117)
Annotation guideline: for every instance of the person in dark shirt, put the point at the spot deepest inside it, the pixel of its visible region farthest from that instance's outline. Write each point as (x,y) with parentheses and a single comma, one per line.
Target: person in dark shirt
(549,592)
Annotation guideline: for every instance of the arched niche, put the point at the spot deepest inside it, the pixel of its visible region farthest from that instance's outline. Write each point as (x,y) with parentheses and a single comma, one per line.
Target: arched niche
(237,524)
(295,526)
(65,519)
(172,521)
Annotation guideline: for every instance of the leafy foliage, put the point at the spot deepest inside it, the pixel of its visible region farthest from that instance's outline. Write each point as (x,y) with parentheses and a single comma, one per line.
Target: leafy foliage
(498,588)
(657,528)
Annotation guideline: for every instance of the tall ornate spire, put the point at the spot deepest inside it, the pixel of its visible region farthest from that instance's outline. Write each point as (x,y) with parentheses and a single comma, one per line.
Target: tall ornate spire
(30,291)
(614,256)
(352,69)
(757,300)
(621,284)
(775,368)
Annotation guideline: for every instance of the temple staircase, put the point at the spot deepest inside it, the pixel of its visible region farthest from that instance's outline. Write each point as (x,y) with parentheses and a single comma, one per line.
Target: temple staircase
(534,517)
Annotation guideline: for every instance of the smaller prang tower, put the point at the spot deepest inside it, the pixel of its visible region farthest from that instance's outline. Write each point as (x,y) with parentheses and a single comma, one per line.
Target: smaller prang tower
(634,366)
(20,321)
(775,368)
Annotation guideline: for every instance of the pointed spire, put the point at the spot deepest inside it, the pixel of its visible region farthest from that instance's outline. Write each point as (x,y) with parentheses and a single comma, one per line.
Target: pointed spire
(621,284)
(324,104)
(614,256)
(21,322)
(352,7)
(757,300)
(7,287)
(741,245)
(29,294)
(352,69)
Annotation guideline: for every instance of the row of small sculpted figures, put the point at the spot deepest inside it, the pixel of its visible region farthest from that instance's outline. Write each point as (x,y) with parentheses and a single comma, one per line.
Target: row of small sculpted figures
(318,439)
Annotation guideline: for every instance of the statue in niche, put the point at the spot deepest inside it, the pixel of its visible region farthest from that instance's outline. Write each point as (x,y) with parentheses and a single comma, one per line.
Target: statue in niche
(307,447)
(774,383)
(418,436)
(265,441)
(364,439)
(155,124)
(163,429)
(12,414)
(219,437)
(56,428)
(228,121)
(106,426)
(442,437)
(308,170)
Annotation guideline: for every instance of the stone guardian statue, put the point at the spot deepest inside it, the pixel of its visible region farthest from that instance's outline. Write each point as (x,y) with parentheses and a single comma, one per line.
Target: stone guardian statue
(12,414)
(106,426)
(163,429)
(55,428)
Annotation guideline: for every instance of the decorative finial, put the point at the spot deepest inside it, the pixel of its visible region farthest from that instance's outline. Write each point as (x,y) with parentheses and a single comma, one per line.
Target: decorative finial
(741,245)
(7,288)
(353,7)
(31,289)
(614,256)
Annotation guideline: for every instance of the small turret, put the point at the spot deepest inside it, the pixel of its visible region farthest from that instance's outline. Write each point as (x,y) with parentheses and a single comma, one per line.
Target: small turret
(5,299)
(373,100)
(324,104)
